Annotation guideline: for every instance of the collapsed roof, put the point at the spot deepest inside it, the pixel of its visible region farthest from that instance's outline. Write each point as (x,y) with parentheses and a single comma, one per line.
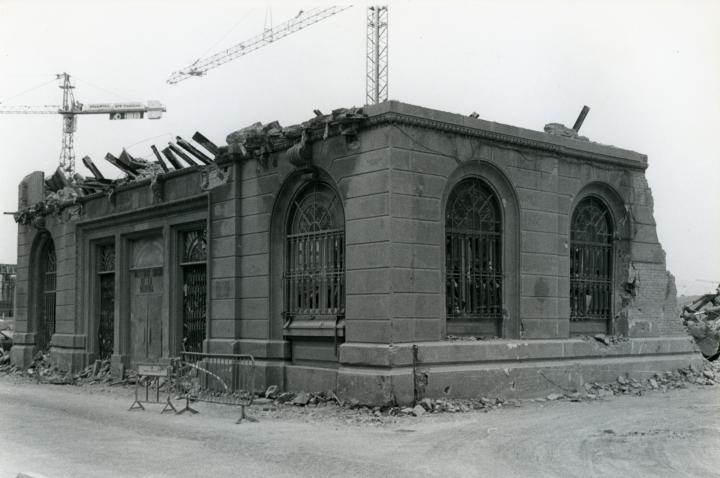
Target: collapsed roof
(257,141)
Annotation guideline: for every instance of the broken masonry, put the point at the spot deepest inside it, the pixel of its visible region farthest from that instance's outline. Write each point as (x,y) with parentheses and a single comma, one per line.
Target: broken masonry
(388,254)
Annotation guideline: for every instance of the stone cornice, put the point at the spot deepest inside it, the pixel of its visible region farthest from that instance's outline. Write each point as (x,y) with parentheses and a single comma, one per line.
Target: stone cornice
(396,118)
(133,215)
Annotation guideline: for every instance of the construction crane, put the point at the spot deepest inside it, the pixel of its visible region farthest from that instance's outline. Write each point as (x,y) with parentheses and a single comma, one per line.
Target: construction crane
(269,35)
(71,108)
(376,82)
(376,85)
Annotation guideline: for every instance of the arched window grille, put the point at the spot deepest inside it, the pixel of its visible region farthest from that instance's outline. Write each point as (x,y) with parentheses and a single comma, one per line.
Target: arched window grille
(473,252)
(194,288)
(591,262)
(46,327)
(315,254)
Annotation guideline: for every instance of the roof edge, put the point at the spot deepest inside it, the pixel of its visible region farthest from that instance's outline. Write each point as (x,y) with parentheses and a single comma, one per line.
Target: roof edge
(395,112)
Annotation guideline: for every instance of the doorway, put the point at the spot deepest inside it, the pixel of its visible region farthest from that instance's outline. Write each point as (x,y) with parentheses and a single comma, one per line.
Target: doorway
(146,300)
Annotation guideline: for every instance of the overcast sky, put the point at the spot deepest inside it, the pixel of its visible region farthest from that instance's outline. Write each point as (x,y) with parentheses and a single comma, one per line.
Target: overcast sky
(650,71)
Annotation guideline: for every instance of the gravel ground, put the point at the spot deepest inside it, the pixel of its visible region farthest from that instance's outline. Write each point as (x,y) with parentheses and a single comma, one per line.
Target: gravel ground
(77,431)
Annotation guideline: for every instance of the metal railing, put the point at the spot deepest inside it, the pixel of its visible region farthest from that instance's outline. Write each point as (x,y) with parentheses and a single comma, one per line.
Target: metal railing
(228,379)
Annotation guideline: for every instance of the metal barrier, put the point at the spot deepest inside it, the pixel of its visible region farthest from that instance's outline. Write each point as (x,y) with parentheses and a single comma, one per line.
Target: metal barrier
(152,373)
(228,379)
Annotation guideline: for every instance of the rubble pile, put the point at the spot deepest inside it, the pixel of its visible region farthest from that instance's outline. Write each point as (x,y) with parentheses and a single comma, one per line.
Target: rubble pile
(702,320)
(273,400)
(63,192)
(42,370)
(99,371)
(260,140)
(559,129)
(5,364)
(708,375)
(257,141)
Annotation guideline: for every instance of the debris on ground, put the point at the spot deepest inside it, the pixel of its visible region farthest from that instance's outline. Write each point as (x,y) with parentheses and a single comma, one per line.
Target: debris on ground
(44,371)
(702,320)
(469,338)
(354,412)
(303,405)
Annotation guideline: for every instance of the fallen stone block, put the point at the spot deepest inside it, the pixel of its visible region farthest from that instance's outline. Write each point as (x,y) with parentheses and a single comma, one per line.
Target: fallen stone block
(272,391)
(301,399)
(418,410)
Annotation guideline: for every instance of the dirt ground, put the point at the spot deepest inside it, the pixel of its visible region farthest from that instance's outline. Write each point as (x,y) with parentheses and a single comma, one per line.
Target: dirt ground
(79,431)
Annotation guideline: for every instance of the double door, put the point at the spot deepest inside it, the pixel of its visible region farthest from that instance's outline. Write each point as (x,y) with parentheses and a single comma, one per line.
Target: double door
(146,298)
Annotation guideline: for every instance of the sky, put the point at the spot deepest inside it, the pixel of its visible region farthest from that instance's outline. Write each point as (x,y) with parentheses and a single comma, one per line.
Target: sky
(649,70)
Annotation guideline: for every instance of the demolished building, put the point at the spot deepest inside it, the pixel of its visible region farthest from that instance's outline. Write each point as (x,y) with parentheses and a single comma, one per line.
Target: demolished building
(381,253)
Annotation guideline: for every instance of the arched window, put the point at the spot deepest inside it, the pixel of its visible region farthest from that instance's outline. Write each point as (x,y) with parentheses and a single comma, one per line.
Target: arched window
(591,267)
(46,303)
(315,254)
(473,266)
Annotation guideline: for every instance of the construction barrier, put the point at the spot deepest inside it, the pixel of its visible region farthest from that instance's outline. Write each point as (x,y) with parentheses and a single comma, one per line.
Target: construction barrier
(228,379)
(151,375)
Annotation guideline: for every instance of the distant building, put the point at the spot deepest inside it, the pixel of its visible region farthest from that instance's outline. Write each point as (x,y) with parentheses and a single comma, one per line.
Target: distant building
(380,253)
(7,290)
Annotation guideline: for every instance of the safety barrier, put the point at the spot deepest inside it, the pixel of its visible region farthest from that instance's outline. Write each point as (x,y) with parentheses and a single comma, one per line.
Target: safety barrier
(151,375)
(228,379)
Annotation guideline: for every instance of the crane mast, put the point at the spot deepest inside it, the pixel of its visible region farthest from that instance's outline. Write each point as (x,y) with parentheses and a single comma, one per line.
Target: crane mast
(67,152)
(71,108)
(376,81)
(376,77)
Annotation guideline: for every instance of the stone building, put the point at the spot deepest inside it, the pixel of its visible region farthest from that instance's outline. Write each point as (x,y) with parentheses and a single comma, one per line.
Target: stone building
(7,290)
(378,253)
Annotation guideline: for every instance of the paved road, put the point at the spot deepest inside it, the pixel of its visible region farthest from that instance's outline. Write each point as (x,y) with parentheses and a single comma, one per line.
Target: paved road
(61,431)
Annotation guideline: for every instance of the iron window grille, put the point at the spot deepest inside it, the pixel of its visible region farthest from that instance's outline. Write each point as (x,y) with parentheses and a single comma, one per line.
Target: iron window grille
(194,288)
(106,277)
(473,265)
(314,279)
(48,297)
(591,262)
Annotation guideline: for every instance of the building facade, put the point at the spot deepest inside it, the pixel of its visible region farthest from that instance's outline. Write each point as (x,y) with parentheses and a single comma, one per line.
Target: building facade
(7,290)
(380,253)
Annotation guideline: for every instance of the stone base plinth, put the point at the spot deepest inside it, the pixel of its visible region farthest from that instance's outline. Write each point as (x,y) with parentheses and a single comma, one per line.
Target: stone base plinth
(382,374)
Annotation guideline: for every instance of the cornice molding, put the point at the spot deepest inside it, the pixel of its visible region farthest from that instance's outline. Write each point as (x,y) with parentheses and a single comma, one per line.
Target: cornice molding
(182,205)
(395,118)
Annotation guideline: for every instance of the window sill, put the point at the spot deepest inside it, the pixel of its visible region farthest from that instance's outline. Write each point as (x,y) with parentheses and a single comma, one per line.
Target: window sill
(315,328)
